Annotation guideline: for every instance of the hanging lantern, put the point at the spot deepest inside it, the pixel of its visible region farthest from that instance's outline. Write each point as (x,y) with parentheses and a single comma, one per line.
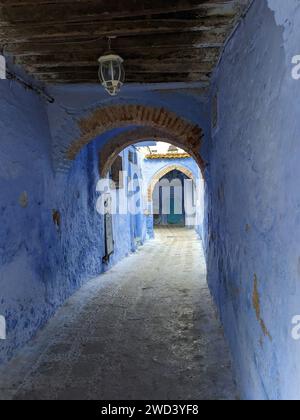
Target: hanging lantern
(111,72)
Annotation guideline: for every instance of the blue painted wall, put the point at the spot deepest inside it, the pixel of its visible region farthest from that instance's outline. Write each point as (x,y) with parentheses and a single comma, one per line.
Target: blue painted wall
(41,263)
(150,168)
(25,184)
(72,103)
(254,200)
(130,228)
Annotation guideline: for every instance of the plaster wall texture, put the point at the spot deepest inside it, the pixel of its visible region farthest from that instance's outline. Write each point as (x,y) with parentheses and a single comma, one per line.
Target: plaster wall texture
(25,167)
(253,200)
(135,220)
(51,237)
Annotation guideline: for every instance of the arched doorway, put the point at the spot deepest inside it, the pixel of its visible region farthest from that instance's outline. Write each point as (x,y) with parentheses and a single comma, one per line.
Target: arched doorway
(113,129)
(172,196)
(161,173)
(168,200)
(139,123)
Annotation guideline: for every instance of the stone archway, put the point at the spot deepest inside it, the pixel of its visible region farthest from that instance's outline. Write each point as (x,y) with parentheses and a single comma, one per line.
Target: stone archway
(114,147)
(164,171)
(160,123)
(151,187)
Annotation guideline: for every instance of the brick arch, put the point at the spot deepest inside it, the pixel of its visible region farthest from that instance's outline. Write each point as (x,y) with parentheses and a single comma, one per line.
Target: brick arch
(188,135)
(117,144)
(164,171)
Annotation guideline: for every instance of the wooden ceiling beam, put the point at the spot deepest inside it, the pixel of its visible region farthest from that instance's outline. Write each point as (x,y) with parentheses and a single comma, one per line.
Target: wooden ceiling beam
(137,67)
(87,30)
(150,56)
(130,78)
(72,11)
(130,3)
(214,38)
(59,41)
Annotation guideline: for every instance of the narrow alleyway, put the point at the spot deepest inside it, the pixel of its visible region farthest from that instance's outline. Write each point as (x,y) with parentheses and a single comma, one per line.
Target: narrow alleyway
(144,330)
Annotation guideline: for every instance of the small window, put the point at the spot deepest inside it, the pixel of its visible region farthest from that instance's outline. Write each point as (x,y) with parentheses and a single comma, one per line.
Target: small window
(132,157)
(116,173)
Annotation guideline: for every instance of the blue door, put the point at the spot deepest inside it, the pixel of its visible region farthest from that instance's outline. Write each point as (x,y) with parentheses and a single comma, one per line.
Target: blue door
(174,219)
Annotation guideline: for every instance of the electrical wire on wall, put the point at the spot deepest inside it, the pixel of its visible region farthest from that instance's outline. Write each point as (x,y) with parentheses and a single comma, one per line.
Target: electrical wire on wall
(29,86)
(13,76)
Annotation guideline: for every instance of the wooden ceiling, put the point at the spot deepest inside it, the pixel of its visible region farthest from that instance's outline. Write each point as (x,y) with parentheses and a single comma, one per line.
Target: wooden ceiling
(59,41)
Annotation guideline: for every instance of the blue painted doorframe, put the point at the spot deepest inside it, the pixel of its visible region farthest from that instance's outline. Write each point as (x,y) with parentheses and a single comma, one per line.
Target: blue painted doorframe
(173,218)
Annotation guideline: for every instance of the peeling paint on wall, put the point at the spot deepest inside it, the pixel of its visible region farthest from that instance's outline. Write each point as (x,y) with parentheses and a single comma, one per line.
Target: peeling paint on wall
(40,269)
(256,306)
(23,200)
(255,154)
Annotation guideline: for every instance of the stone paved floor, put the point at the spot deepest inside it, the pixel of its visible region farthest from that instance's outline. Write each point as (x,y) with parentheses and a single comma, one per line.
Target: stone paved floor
(145,330)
